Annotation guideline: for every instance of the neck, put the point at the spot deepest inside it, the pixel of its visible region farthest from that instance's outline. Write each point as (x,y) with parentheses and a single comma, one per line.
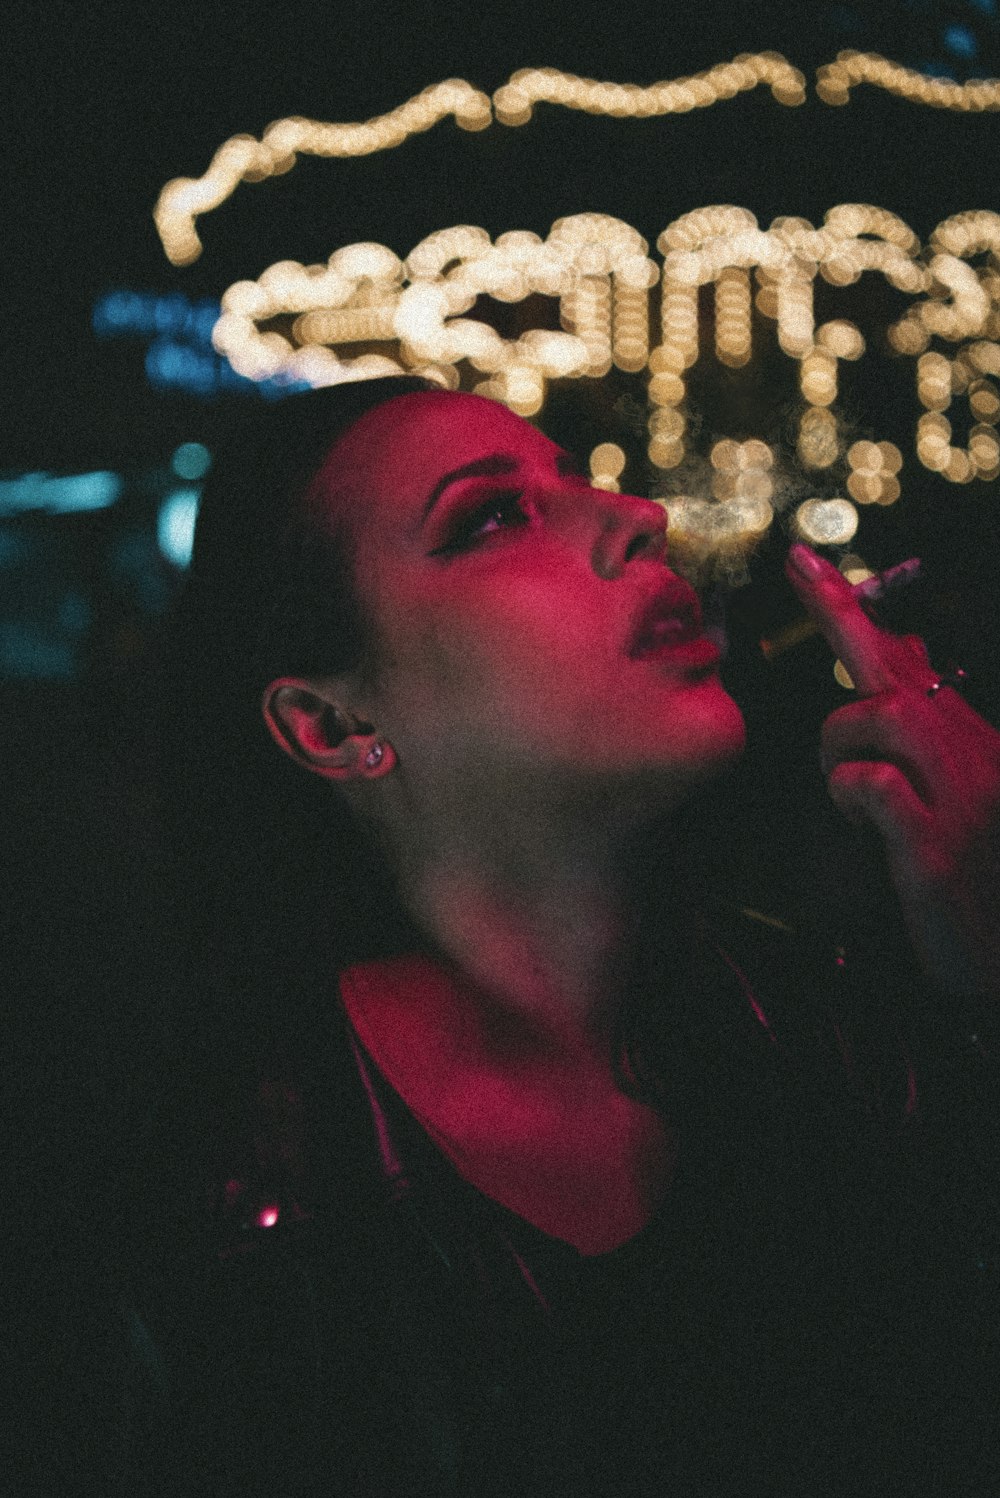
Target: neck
(540,930)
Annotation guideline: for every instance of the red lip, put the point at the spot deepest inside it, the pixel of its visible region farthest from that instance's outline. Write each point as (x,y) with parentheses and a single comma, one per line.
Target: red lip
(668,622)
(700,654)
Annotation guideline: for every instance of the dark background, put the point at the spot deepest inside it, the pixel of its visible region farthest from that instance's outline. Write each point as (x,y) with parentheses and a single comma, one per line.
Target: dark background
(103,105)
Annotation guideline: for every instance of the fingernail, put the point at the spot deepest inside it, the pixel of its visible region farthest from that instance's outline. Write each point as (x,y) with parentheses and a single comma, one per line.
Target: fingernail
(805,561)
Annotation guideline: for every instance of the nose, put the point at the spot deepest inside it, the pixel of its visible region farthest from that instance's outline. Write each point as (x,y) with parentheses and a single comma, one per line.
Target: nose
(631,528)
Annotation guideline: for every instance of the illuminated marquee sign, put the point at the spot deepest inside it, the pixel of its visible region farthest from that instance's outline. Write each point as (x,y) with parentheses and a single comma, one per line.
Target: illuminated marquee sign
(367,312)
(618,308)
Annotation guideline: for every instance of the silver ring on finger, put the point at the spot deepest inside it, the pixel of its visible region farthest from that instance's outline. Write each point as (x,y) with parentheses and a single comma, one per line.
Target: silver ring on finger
(954,677)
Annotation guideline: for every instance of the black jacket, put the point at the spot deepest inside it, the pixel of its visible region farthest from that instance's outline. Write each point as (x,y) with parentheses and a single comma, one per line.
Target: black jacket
(814,1310)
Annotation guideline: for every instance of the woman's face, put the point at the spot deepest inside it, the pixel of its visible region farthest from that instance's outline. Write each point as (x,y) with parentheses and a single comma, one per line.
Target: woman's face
(527,629)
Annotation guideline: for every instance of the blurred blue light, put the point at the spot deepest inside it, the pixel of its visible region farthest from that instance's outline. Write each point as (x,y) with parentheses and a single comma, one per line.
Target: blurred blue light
(170,313)
(180,354)
(935,68)
(26,650)
(146,314)
(191,460)
(961,41)
(181,366)
(988,7)
(172,365)
(59,496)
(116,313)
(175,525)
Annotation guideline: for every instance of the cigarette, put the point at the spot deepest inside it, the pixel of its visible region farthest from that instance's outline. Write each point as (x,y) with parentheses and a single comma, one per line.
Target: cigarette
(868,592)
(875,587)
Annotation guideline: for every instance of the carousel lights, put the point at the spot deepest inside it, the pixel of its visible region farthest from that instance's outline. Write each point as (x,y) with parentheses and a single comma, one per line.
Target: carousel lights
(607,464)
(243,158)
(695,521)
(367,313)
(826,522)
(712,536)
(818,377)
(873,469)
(732,316)
(841,338)
(514,101)
(939,379)
(854,568)
(818,445)
(742,470)
(835,80)
(719,530)
(984,401)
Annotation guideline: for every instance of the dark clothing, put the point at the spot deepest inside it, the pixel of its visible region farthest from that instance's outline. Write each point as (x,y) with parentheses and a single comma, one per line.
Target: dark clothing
(815,1309)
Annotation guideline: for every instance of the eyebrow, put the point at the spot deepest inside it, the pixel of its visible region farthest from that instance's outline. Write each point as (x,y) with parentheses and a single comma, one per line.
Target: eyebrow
(490,467)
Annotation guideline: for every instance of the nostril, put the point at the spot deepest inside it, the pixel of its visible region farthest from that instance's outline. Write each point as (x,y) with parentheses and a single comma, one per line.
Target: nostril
(647,544)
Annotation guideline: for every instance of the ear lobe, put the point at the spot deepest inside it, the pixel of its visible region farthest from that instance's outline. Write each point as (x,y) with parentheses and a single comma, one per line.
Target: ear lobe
(318,733)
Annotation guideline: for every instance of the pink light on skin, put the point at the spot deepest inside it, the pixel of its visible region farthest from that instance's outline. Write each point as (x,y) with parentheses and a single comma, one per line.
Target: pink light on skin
(267,1217)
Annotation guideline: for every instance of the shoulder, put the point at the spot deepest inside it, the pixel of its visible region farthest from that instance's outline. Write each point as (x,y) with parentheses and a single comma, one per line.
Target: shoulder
(830,1033)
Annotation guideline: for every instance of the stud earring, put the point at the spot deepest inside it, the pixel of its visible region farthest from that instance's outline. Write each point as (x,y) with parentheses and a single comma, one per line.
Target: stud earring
(374,756)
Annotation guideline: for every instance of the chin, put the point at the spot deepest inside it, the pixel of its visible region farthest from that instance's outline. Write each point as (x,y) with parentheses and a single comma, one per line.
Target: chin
(718,732)
(695,746)
(734,724)
(711,722)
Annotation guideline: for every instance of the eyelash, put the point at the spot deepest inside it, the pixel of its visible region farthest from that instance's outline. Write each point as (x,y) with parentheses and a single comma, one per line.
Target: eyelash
(468,530)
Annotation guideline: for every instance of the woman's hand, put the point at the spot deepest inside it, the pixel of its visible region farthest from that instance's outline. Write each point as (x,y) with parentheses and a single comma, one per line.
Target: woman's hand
(924,769)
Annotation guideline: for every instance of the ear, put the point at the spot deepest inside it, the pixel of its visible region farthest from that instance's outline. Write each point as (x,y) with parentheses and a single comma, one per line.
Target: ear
(307,719)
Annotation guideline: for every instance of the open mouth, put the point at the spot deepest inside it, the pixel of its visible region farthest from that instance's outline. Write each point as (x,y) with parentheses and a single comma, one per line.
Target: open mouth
(665,634)
(668,631)
(668,621)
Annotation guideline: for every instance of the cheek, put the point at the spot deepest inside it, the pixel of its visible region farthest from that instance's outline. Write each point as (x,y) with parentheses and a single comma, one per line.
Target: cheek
(533,668)
(504,641)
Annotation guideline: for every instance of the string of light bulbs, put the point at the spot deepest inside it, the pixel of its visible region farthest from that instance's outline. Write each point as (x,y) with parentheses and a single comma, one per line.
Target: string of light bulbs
(244,158)
(367,312)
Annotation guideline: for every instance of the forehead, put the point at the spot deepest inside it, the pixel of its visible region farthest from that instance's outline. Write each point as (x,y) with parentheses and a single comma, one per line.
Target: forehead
(400,450)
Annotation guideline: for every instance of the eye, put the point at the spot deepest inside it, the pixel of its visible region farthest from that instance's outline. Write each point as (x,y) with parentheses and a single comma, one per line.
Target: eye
(505,511)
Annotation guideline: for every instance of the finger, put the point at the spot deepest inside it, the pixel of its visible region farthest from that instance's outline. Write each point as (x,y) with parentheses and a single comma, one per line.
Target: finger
(880,794)
(829,600)
(893,727)
(917,646)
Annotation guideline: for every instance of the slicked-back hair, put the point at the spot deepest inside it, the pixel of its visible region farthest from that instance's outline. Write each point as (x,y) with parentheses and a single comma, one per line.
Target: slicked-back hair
(272,884)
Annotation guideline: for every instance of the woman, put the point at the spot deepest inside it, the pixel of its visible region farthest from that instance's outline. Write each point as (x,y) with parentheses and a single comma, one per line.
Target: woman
(550,1194)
